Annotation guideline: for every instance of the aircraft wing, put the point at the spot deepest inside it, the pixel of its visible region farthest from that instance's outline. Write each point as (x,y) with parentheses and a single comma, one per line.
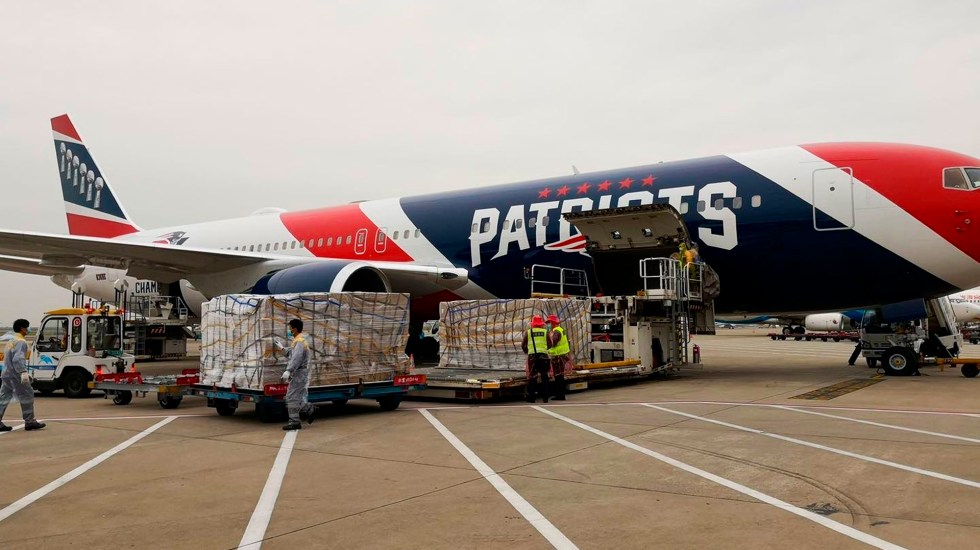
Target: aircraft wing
(50,254)
(45,253)
(34,267)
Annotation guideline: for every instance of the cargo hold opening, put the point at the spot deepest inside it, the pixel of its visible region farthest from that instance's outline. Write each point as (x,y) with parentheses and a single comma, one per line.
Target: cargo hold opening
(618,239)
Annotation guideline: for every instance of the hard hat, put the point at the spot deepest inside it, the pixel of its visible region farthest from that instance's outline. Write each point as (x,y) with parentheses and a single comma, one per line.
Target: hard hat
(553,319)
(537,321)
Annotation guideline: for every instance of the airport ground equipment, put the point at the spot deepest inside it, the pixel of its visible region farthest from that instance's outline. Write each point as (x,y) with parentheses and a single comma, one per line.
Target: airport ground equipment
(73,345)
(169,390)
(969,366)
(630,337)
(904,336)
(270,401)
(836,336)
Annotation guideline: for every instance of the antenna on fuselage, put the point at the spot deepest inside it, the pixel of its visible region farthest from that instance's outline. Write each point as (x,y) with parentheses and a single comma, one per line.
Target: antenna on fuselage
(575,170)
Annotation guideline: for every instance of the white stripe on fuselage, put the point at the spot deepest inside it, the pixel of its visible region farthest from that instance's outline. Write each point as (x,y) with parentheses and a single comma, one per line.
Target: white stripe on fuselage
(389,214)
(875,217)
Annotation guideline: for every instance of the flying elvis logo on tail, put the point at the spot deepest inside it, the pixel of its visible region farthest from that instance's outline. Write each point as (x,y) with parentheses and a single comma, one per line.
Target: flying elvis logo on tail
(174,238)
(90,204)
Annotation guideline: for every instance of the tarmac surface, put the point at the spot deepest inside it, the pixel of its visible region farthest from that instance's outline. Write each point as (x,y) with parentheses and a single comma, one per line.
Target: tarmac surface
(722,456)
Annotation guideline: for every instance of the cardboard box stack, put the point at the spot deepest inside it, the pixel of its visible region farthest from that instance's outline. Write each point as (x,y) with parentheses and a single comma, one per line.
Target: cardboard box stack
(486,334)
(353,336)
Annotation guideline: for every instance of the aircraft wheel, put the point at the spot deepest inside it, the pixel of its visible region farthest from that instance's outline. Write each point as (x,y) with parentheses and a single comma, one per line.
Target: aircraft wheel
(899,361)
(970,371)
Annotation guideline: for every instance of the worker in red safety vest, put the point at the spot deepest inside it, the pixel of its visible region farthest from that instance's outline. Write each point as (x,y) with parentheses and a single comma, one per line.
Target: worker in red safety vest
(560,354)
(535,344)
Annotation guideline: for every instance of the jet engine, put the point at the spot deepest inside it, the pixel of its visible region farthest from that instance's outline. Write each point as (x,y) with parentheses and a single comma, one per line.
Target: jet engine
(325,276)
(824,322)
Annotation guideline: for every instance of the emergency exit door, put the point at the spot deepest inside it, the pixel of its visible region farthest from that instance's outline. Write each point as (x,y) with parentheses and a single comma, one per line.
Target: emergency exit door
(833,199)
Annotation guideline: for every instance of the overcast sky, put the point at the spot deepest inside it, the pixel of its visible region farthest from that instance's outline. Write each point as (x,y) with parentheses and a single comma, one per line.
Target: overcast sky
(202,110)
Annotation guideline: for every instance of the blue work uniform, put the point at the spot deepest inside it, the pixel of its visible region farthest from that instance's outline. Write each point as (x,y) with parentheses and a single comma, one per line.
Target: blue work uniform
(15,364)
(297,393)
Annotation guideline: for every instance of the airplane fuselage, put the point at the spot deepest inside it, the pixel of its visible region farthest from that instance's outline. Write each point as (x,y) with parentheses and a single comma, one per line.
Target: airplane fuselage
(813,228)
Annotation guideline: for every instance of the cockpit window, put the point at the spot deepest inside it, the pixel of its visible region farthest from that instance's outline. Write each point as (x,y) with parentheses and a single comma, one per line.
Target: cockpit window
(953,178)
(973,176)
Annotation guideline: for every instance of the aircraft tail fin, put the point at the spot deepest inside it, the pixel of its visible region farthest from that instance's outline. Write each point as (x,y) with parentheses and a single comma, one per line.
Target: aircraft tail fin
(92,208)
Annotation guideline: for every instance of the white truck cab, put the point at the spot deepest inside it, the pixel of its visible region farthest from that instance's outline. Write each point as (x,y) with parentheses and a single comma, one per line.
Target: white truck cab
(72,345)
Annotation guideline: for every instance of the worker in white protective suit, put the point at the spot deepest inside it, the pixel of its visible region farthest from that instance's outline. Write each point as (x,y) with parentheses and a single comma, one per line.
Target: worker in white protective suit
(16,380)
(297,374)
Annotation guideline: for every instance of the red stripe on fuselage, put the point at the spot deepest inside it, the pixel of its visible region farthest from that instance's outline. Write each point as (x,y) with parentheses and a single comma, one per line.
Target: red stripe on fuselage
(62,124)
(911,176)
(334,225)
(94,227)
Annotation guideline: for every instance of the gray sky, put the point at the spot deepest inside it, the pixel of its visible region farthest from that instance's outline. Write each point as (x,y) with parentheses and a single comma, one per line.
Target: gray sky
(203,110)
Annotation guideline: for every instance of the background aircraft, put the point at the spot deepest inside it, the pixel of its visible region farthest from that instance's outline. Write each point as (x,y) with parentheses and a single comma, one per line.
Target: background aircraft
(776,226)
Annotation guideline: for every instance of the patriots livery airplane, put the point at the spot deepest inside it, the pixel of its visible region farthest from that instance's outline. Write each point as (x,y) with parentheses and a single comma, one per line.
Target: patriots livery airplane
(819,227)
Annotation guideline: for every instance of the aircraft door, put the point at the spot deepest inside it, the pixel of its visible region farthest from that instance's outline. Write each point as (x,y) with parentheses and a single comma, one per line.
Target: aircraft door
(381,240)
(833,199)
(360,241)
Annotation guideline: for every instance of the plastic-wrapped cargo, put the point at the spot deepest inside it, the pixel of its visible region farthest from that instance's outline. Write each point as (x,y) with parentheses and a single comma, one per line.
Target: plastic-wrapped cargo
(353,336)
(486,334)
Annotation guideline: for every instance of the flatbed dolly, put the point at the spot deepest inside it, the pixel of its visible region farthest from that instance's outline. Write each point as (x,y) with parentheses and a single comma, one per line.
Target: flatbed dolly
(270,401)
(169,389)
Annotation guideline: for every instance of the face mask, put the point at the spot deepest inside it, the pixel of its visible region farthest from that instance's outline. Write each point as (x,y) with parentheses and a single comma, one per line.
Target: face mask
(289,333)
(549,326)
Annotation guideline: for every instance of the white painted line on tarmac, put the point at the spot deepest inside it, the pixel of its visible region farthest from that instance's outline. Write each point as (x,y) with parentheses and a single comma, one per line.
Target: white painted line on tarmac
(845,530)
(726,403)
(259,522)
(913,469)
(530,513)
(33,497)
(879,424)
(90,418)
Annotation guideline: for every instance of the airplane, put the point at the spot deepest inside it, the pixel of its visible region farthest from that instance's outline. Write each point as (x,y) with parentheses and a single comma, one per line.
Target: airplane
(965,310)
(818,227)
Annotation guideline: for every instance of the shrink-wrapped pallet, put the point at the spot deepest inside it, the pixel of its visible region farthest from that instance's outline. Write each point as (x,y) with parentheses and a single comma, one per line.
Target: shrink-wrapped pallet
(486,334)
(352,336)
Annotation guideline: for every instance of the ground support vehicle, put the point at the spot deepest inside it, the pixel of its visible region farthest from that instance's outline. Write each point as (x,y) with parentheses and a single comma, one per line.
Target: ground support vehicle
(168,389)
(836,336)
(633,337)
(969,367)
(907,335)
(270,401)
(491,384)
(73,345)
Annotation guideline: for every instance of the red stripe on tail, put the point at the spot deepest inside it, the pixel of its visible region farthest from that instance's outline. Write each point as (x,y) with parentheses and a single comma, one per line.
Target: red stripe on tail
(94,227)
(62,124)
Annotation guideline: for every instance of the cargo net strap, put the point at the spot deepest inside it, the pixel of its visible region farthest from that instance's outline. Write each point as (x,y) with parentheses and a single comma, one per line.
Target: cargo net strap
(357,336)
(487,334)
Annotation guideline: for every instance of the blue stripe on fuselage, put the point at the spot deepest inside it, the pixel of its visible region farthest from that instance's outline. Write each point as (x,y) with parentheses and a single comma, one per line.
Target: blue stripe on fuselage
(768,257)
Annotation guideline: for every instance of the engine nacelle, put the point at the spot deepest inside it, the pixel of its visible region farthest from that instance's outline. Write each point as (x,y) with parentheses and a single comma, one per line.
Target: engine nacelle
(325,276)
(825,322)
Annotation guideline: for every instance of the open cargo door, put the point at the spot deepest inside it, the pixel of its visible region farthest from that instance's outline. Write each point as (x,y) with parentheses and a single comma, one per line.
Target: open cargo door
(618,239)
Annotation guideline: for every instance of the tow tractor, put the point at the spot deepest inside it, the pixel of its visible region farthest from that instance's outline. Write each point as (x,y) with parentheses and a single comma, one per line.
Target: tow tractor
(73,345)
(906,335)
